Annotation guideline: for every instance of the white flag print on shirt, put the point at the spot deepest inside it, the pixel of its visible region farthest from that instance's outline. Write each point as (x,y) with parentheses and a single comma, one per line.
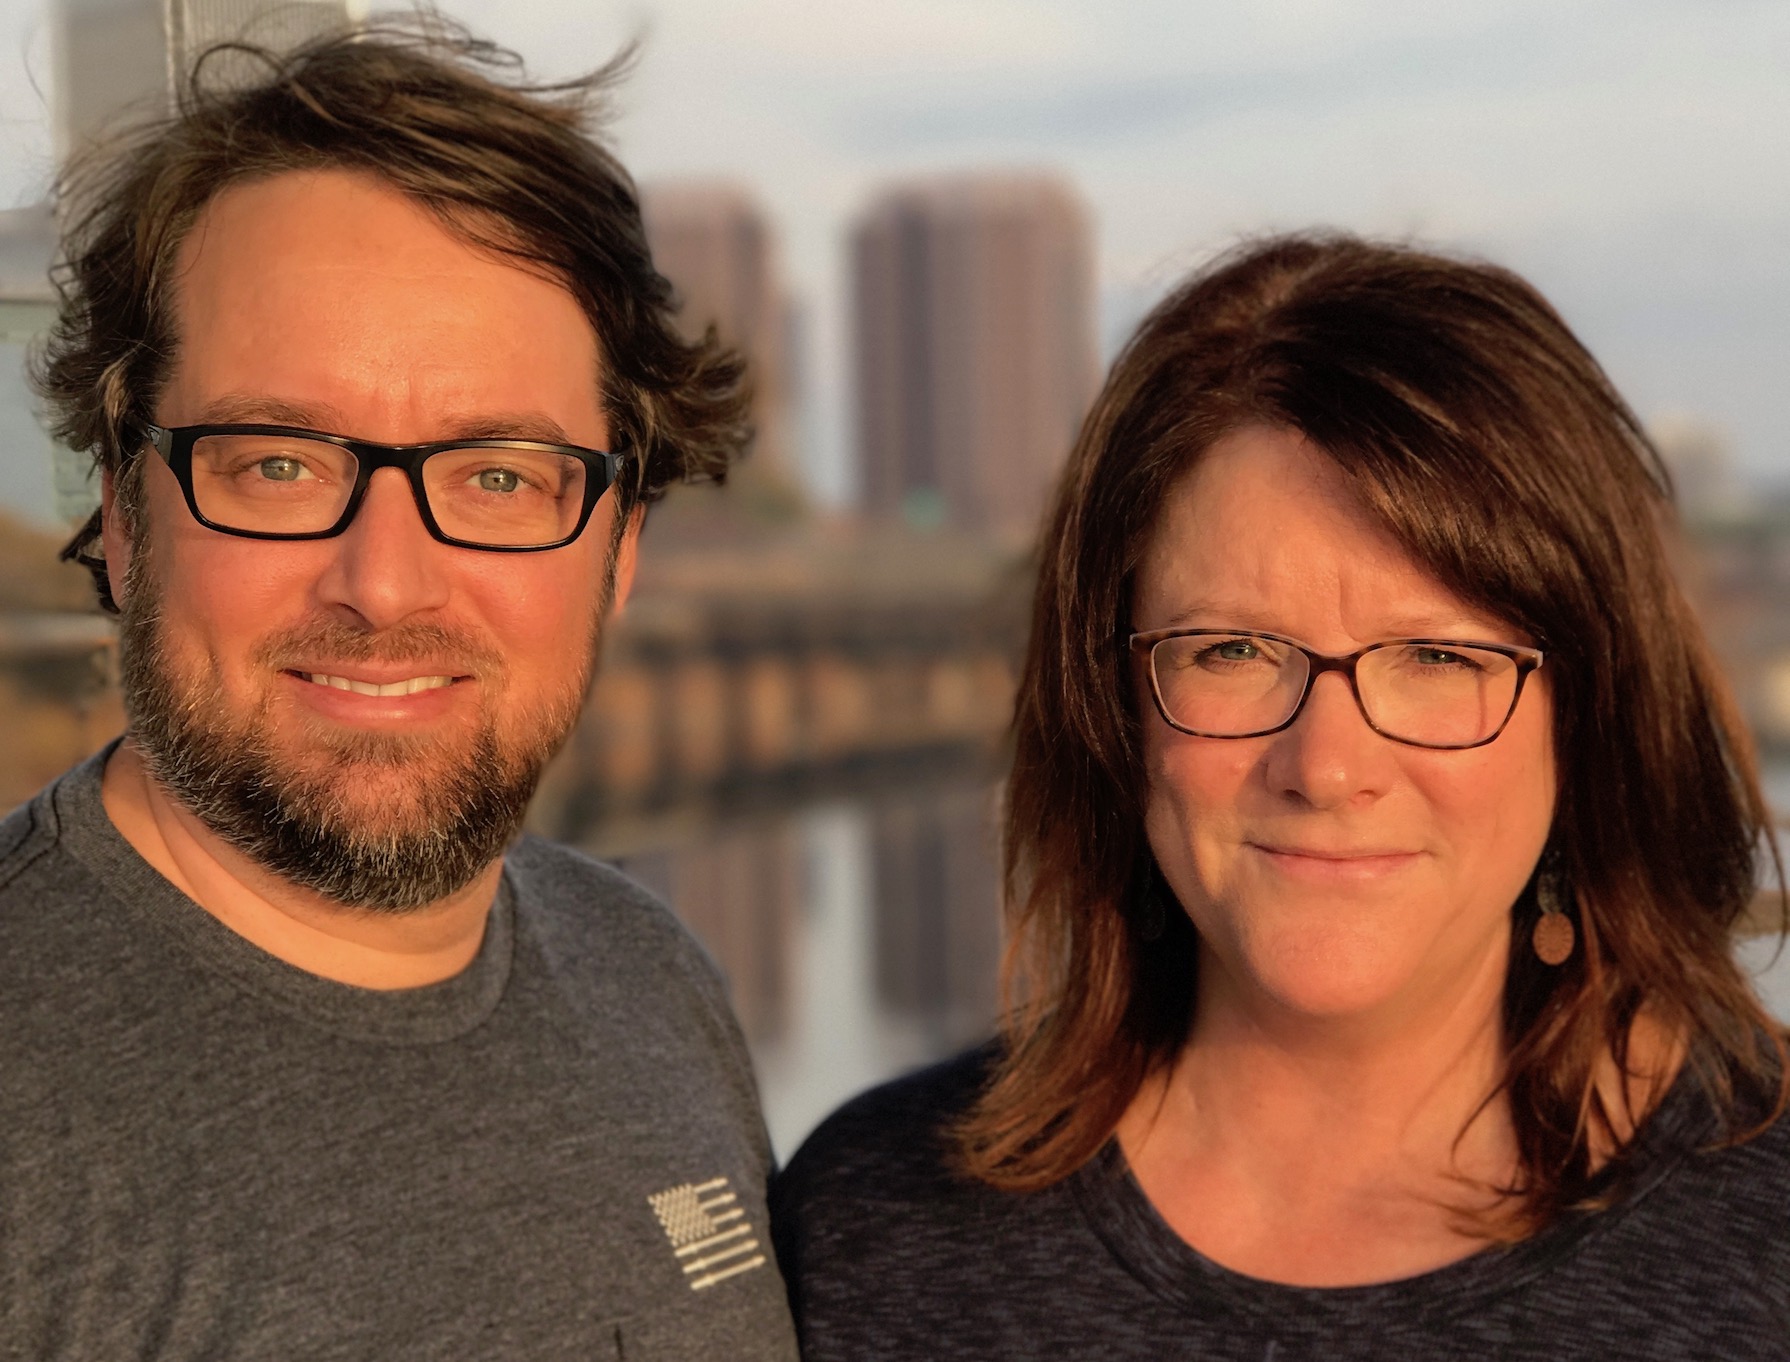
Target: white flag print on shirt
(708,1231)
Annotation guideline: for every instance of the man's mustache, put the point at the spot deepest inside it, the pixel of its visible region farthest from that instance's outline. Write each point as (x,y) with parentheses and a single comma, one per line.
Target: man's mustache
(442,649)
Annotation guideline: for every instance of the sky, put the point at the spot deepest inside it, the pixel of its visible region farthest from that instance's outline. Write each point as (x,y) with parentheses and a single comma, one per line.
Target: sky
(1631,157)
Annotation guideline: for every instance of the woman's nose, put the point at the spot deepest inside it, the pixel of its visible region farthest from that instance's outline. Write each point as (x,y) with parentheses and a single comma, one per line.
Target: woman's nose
(1330,756)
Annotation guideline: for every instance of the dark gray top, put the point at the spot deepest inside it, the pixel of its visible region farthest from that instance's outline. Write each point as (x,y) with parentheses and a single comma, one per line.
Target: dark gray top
(889,1256)
(207,1153)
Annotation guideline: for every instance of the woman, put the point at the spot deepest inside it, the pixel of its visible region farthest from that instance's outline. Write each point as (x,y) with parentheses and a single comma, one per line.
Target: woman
(1377,827)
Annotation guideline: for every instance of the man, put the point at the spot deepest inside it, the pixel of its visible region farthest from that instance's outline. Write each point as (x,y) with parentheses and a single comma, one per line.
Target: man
(302,1053)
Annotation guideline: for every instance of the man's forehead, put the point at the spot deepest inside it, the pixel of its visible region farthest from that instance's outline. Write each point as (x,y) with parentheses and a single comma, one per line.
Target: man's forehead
(346,221)
(332,301)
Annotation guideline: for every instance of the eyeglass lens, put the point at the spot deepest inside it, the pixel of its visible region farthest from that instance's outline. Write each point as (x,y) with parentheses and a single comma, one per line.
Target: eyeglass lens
(1234,685)
(280,484)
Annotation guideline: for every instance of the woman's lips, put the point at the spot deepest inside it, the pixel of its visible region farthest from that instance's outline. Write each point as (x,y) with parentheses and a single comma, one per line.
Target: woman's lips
(1332,865)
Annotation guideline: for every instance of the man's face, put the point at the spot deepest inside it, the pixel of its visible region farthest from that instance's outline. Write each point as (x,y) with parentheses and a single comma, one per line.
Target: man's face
(330,301)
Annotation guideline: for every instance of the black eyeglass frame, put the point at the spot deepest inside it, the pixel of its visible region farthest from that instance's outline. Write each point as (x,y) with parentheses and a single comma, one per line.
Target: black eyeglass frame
(1527,660)
(605,469)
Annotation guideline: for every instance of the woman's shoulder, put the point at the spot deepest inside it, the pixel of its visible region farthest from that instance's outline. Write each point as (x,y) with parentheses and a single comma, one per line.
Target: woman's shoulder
(1741,1164)
(892,1143)
(892,1252)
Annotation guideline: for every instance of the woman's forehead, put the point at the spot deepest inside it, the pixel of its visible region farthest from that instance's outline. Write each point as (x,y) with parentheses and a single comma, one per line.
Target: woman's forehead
(1266,531)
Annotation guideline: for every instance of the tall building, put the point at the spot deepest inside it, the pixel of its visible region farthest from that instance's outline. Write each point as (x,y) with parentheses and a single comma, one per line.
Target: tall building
(976,352)
(119,54)
(113,59)
(28,474)
(711,240)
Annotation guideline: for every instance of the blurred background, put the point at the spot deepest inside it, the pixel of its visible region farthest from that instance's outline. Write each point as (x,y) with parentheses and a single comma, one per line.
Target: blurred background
(929,224)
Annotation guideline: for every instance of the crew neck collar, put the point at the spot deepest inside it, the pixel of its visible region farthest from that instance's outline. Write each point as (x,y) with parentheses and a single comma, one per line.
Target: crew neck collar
(1125,1220)
(429,1014)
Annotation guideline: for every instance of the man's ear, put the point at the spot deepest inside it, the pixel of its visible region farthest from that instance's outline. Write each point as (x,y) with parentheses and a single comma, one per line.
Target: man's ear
(627,557)
(114,535)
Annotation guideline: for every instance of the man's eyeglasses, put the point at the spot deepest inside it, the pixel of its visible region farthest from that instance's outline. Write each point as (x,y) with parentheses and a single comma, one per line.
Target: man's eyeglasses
(1428,692)
(283,482)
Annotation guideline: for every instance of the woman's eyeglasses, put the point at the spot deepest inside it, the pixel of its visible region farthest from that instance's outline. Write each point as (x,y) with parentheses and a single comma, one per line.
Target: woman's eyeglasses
(1428,692)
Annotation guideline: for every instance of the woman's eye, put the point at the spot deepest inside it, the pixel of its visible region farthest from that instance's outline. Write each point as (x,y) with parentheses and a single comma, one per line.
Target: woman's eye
(1229,653)
(1440,657)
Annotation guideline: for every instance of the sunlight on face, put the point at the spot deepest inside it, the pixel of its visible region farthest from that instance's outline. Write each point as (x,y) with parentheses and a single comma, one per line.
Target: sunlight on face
(377,686)
(1331,872)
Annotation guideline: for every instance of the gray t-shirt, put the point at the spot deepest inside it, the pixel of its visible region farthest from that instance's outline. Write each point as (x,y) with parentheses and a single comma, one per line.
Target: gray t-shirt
(207,1153)
(891,1257)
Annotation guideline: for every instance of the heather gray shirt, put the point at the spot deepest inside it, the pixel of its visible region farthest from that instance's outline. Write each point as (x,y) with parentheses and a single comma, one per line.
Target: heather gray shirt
(893,1258)
(207,1153)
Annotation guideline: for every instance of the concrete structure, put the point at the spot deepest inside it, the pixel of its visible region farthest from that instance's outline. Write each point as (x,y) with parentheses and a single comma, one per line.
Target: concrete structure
(713,242)
(129,56)
(976,351)
(739,679)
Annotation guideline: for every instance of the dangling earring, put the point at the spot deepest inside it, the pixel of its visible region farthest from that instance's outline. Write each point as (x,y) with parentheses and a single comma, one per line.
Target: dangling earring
(1553,937)
(1151,919)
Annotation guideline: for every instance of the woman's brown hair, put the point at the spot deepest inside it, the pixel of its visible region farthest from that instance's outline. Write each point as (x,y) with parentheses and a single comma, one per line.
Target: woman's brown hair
(445,119)
(1483,436)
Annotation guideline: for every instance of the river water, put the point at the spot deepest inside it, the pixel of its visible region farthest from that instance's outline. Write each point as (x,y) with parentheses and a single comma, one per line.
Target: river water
(860,936)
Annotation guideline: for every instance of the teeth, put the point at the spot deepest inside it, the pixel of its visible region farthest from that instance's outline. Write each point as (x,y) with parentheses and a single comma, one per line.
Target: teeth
(408,687)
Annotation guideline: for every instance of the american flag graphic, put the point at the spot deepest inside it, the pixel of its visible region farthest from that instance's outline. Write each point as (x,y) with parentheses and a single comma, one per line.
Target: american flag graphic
(708,1231)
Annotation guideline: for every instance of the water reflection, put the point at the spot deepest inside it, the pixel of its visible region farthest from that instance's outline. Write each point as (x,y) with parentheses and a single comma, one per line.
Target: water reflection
(861,937)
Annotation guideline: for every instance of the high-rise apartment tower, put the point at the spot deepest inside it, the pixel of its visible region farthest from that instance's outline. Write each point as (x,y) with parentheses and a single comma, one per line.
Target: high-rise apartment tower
(976,352)
(711,240)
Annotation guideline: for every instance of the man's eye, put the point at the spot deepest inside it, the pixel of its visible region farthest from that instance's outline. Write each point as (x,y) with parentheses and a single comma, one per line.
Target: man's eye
(281,468)
(499,480)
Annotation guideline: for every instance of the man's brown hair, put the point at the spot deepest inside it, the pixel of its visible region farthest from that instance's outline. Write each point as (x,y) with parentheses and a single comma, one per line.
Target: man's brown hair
(441,117)
(1477,429)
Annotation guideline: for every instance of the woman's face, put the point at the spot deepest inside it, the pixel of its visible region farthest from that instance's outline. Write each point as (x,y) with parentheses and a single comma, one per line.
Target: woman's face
(1331,872)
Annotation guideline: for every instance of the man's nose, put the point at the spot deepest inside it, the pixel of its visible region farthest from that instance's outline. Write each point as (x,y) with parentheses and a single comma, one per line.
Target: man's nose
(387,567)
(1330,757)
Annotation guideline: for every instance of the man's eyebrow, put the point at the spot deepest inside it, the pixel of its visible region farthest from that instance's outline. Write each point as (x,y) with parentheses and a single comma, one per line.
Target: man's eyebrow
(509,425)
(247,409)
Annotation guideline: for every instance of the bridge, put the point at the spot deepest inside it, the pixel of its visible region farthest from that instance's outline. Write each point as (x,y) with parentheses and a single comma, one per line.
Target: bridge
(763,674)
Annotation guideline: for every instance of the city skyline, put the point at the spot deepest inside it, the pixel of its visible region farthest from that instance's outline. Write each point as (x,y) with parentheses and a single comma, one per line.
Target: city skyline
(1611,150)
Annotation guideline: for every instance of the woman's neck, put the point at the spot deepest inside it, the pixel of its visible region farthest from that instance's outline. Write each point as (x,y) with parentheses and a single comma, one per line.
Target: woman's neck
(1327,1152)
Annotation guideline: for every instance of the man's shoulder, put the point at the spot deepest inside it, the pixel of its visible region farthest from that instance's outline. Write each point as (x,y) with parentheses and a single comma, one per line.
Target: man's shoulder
(36,862)
(582,905)
(614,947)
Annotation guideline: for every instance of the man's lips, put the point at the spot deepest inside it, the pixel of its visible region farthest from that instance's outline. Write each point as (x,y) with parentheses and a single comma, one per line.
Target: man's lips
(408,686)
(384,681)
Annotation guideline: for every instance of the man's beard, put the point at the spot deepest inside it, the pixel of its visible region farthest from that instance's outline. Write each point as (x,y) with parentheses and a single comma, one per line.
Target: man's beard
(451,819)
